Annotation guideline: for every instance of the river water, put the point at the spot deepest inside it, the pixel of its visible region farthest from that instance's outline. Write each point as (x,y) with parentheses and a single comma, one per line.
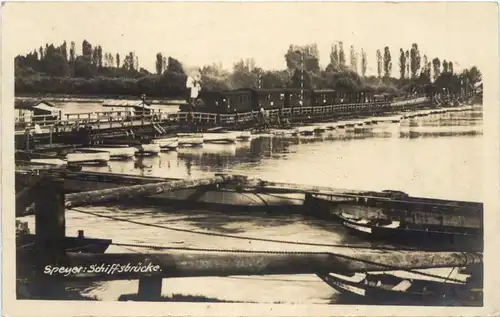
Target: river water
(435,156)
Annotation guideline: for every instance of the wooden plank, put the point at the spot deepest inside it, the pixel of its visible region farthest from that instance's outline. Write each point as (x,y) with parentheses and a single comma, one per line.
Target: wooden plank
(282,187)
(119,266)
(127,192)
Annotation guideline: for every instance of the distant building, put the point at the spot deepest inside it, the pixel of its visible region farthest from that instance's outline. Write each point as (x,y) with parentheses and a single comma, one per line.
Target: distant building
(30,110)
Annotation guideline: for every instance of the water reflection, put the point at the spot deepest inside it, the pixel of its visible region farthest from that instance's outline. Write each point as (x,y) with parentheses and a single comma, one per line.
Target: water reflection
(370,156)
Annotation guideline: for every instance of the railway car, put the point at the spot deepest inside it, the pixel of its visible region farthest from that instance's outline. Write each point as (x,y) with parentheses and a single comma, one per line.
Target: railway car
(225,101)
(323,97)
(267,99)
(297,97)
(344,96)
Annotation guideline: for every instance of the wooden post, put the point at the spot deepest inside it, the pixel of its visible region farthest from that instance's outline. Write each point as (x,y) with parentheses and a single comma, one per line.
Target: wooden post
(50,227)
(149,288)
(50,135)
(27,138)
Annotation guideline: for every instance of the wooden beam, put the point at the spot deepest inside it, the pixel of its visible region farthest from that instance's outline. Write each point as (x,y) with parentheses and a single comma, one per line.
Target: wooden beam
(127,192)
(107,266)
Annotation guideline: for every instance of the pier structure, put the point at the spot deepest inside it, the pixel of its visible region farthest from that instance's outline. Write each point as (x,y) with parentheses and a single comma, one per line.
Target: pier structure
(96,127)
(50,204)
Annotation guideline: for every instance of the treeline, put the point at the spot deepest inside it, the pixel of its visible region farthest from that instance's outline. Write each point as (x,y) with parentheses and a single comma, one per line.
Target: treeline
(62,70)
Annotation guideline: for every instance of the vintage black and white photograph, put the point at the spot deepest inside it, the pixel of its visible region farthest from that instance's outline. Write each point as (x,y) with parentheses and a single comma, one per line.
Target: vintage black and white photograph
(280,153)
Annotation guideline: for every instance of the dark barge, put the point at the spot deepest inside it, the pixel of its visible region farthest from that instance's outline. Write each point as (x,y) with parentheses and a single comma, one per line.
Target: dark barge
(400,219)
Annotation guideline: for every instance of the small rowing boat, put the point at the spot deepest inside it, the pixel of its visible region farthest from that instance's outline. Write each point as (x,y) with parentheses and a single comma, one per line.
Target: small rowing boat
(395,231)
(190,139)
(124,152)
(386,288)
(170,143)
(84,157)
(219,137)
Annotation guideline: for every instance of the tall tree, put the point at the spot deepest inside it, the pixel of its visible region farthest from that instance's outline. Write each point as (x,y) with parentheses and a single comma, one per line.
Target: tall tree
(95,56)
(414,60)
(64,50)
(72,53)
(40,50)
(174,66)
(407,56)
(87,50)
(306,56)
(424,64)
(436,68)
(402,64)
(387,62)
(341,55)
(379,64)
(117,60)
(354,59)
(334,57)
(159,63)
(99,56)
(445,66)
(474,75)
(364,63)
(450,67)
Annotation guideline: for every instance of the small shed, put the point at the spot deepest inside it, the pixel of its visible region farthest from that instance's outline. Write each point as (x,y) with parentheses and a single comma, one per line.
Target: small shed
(27,110)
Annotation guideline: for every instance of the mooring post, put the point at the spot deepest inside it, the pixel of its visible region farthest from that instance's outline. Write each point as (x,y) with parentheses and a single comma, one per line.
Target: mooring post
(149,288)
(27,138)
(50,135)
(50,227)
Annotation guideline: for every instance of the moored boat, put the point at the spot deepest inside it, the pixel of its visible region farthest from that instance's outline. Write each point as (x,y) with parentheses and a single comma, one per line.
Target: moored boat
(219,137)
(84,157)
(190,139)
(26,242)
(170,143)
(398,232)
(304,130)
(50,161)
(124,152)
(148,149)
(387,288)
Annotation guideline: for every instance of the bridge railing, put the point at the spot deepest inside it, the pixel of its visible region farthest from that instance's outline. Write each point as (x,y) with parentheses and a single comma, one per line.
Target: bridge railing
(110,119)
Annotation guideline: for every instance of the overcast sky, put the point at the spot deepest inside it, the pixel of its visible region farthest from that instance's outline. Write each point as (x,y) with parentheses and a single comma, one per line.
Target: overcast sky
(203,33)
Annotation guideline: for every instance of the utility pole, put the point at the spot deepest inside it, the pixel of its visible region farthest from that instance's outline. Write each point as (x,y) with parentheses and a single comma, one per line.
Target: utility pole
(143,98)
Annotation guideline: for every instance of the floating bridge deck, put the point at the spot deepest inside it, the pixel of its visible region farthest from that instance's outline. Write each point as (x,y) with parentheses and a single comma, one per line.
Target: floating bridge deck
(87,127)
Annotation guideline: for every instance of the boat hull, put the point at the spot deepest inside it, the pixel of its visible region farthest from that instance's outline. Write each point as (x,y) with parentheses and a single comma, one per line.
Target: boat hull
(70,244)
(167,143)
(421,291)
(114,152)
(441,240)
(221,138)
(88,158)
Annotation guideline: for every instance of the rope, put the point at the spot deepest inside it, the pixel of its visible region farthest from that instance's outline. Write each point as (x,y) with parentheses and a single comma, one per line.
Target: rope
(156,247)
(239,237)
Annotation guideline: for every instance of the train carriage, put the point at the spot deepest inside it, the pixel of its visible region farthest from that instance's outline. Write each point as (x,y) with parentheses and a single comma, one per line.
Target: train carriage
(297,97)
(323,97)
(225,101)
(273,98)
